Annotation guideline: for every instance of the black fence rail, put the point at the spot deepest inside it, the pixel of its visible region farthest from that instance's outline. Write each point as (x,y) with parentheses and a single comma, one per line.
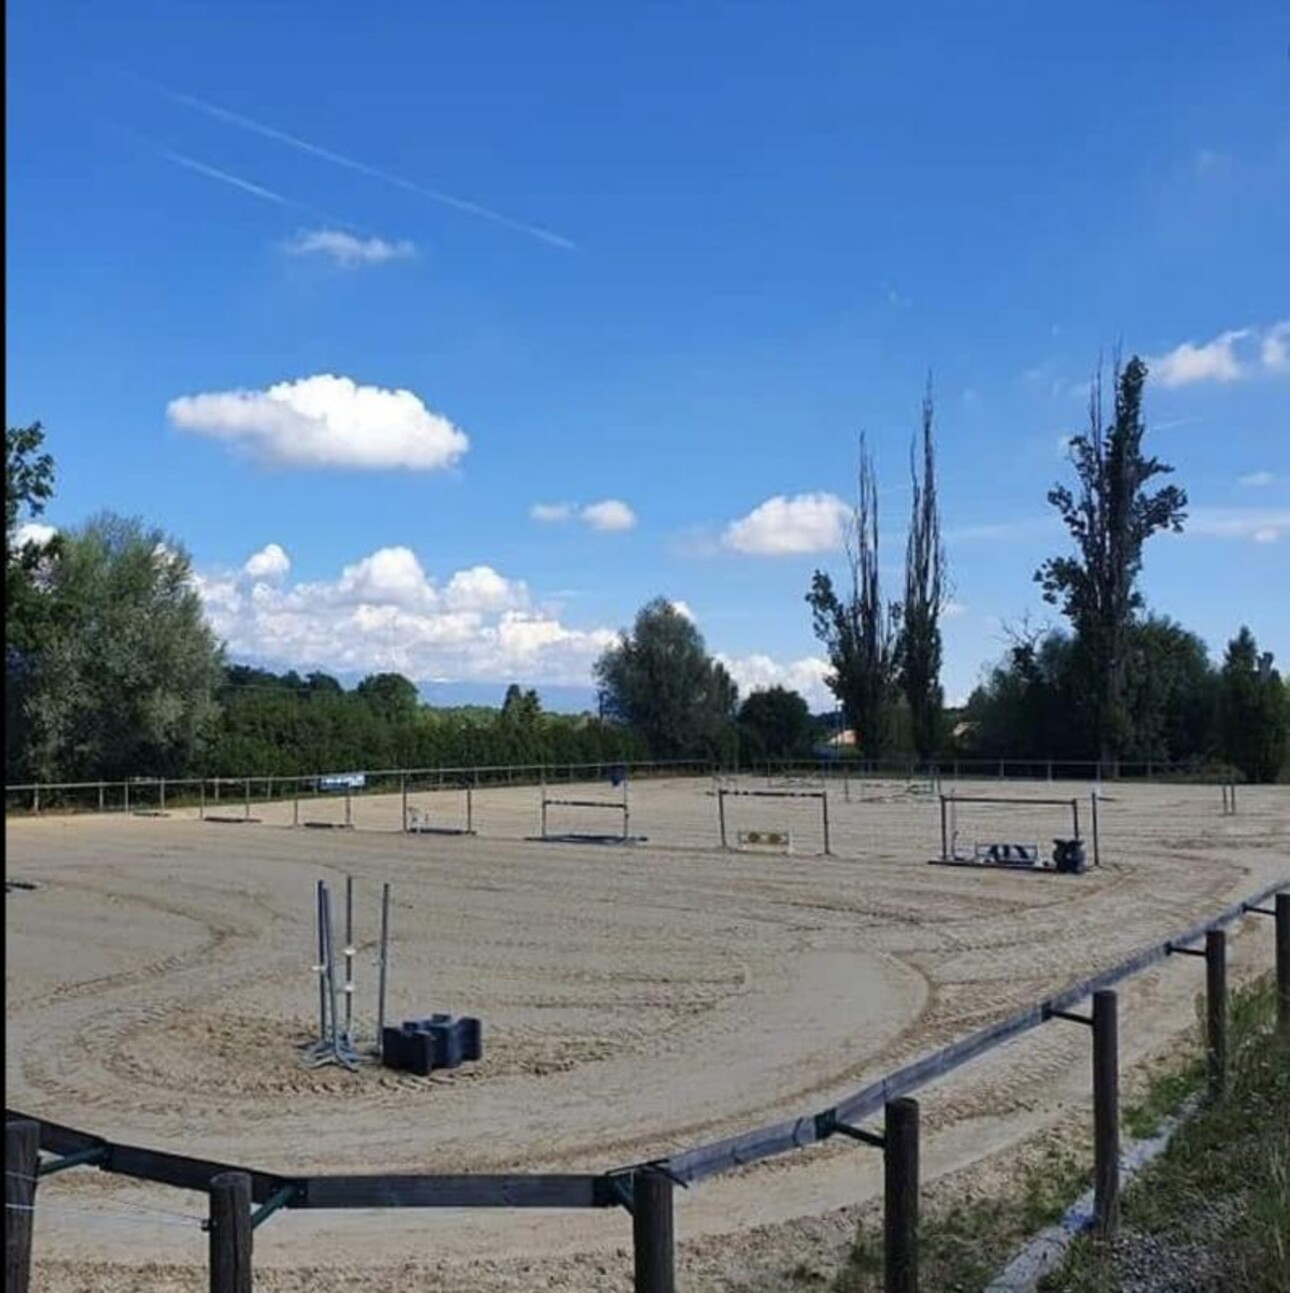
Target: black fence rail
(645,1189)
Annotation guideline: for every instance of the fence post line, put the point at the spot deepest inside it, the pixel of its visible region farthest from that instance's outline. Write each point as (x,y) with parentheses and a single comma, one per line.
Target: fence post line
(721,813)
(1216,1010)
(900,1196)
(246,798)
(295,802)
(1106,1114)
(403,799)
(653,1239)
(1283,963)
(230,1233)
(827,849)
(162,793)
(21,1157)
(126,797)
(100,796)
(201,801)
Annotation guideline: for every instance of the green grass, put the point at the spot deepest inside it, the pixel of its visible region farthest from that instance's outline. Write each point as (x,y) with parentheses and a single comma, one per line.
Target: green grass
(1236,1150)
(1224,1182)
(963,1245)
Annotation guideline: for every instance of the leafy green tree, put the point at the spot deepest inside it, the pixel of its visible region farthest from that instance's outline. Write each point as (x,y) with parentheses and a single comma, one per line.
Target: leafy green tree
(1110,521)
(1252,711)
(775,724)
(125,684)
(1024,707)
(390,695)
(523,709)
(28,476)
(920,631)
(859,630)
(1170,693)
(660,680)
(28,486)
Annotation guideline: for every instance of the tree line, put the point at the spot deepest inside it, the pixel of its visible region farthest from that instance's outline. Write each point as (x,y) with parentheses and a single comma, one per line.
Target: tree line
(111,670)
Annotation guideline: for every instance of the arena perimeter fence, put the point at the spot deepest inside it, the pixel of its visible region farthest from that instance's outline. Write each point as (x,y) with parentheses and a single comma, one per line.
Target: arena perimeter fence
(155,794)
(240,1198)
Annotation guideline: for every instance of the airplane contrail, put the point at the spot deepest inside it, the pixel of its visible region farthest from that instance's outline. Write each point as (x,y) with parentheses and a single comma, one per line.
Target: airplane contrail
(349,163)
(227,177)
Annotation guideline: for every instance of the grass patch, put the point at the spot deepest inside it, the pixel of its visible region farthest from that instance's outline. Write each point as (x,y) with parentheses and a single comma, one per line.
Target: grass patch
(963,1245)
(1220,1194)
(1214,1210)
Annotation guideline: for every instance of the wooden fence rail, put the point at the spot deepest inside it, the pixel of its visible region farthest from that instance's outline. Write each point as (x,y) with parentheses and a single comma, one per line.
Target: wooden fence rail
(646,1189)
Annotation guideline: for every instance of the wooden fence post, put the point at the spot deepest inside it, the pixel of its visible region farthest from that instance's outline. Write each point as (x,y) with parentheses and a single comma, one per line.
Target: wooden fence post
(230,1233)
(900,1201)
(1106,1114)
(652,1232)
(1216,1010)
(1283,963)
(21,1156)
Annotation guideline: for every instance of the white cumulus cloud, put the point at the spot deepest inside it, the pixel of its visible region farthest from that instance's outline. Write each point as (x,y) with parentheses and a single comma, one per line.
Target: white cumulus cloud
(348,251)
(785,526)
(805,676)
(1256,479)
(386,612)
(481,588)
(1215,361)
(1275,350)
(325,421)
(271,562)
(392,576)
(33,532)
(1231,356)
(609,514)
(683,610)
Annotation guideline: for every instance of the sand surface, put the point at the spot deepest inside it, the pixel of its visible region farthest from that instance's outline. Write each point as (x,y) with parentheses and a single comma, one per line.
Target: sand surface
(636,1000)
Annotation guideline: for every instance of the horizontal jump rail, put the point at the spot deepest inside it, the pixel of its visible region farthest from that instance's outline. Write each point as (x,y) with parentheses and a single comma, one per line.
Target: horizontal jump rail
(1003,799)
(775,794)
(586,803)
(724,1155)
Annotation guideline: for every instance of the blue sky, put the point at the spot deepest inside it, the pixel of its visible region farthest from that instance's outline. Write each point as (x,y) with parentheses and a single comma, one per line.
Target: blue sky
(340,295)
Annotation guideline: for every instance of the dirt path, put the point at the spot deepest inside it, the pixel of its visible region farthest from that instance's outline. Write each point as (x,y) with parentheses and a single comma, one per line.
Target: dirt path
(636,1001)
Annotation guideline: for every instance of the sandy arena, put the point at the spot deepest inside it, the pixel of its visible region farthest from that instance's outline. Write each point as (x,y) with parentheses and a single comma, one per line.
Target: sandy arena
(636,1000)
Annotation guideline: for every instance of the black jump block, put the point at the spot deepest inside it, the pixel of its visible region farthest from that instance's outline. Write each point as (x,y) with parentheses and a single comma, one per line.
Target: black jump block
(1069,857)
(435,1042)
